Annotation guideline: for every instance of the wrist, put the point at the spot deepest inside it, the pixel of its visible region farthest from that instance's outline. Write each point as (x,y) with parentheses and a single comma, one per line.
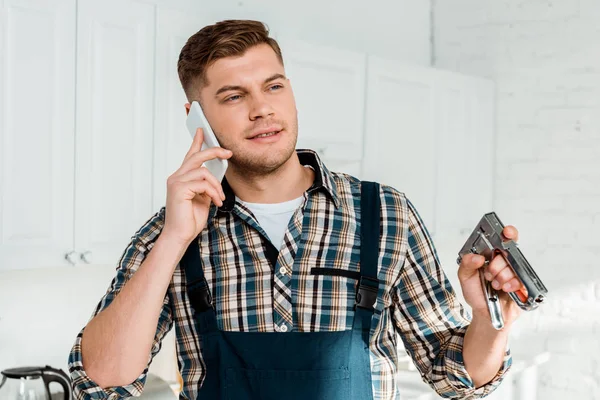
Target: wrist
(482,324)
(173,240)
(171,244)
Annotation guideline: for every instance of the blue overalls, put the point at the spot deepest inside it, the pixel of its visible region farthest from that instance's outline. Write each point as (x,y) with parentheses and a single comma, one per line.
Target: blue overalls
(291,365)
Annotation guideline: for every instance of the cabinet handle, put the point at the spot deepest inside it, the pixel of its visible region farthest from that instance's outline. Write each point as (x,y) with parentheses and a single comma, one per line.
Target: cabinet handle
(86,257)
(70,257)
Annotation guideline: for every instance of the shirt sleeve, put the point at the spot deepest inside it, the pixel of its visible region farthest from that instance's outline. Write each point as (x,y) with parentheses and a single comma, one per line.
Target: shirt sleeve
(133,256)
(431,320)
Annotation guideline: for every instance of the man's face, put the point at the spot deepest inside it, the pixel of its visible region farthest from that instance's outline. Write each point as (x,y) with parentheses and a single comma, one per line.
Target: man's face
(246,98)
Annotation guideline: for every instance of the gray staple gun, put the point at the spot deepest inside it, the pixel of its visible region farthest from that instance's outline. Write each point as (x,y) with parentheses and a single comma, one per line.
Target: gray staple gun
(487,240)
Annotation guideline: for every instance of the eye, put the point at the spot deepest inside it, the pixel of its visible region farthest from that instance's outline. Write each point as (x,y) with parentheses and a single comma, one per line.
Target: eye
(232,98)
(276,86)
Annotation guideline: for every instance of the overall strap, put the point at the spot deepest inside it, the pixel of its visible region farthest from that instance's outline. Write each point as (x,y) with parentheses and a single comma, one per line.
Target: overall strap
(368,285)
(197,287)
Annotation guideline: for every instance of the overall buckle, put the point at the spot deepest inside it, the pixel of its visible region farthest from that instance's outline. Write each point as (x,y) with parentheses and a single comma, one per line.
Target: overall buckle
(200,296)
(366,296)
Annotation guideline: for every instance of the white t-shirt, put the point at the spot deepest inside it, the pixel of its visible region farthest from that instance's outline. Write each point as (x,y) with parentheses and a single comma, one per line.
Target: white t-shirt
(274,218)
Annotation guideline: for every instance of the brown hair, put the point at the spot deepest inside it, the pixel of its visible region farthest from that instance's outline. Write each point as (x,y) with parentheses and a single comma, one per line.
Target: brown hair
(229,38)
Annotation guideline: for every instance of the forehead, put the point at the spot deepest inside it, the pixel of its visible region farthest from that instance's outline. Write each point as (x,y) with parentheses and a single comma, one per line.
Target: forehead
(257,63)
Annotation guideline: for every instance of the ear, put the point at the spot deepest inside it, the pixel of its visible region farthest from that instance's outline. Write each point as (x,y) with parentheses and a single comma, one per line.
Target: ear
(187,108)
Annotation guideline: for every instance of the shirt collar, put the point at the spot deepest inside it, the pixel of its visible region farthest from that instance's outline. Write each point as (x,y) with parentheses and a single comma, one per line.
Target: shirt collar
(323,180)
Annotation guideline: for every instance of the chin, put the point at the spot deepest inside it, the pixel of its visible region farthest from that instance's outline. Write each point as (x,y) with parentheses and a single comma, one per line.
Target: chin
(264,162)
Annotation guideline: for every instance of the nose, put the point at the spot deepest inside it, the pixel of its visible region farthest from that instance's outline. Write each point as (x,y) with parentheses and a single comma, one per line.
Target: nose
(260,108)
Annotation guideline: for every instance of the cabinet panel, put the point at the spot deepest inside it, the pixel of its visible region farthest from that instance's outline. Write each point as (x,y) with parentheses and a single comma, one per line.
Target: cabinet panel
(329,87)
(481,107)
(464,115)
(430,135)
(115,109)
(454,152)
(37,92)
(400,148)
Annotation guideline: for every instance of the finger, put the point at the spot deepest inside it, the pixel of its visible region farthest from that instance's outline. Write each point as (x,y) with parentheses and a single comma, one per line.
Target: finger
(200,187)
(197,159)
(472,262)
(200,174)
(196,145)
(497,264)
(503,277)
(510,233)
(513,285)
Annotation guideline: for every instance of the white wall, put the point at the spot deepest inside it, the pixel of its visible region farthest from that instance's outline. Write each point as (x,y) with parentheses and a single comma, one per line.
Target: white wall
(545,59)
(397,29)
(41,311)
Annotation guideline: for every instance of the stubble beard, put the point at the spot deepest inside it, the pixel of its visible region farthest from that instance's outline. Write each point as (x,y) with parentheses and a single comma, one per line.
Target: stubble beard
(254,164)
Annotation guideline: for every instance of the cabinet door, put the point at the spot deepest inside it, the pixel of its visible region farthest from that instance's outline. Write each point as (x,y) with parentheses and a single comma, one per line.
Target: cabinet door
(115,112)
(464,118)
(481,108)
(455,156)
(329,87)
(172,139)
(400,148)
(37,92)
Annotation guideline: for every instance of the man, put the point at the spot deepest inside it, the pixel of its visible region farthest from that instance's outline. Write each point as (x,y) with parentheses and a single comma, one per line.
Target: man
(285,280)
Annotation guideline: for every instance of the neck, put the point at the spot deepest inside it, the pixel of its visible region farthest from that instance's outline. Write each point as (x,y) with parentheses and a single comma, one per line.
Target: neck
(288,182)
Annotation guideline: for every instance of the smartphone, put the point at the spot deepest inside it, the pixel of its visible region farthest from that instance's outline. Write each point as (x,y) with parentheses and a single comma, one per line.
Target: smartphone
(196,119)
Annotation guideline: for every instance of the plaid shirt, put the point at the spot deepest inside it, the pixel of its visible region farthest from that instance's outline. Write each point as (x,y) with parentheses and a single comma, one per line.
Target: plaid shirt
(258,289)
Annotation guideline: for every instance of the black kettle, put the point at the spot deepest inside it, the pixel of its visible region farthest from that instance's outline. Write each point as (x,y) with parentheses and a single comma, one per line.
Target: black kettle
(33,383)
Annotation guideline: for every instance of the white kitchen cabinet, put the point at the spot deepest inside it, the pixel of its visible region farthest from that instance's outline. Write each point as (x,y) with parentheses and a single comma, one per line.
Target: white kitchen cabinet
(115,112)
(464,187)
(93,167)
(465,135)
(464,118)
(400,143)
(37,94)
(77,114)
(329,88)
(430,135)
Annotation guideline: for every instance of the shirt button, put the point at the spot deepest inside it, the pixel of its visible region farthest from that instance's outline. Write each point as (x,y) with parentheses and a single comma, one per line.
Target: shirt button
(283,328)
(283,271)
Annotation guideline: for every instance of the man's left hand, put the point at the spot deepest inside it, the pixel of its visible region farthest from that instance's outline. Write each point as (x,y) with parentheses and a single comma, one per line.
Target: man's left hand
(503,279)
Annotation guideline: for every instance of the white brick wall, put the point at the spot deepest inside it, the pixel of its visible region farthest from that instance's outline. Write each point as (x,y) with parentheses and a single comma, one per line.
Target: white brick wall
(545,58)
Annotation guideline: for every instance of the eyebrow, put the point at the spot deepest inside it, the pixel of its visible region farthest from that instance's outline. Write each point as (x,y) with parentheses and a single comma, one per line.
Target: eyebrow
(237,87)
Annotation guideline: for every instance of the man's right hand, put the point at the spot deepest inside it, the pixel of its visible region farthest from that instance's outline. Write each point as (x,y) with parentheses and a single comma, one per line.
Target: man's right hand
(116,343)
(190,191)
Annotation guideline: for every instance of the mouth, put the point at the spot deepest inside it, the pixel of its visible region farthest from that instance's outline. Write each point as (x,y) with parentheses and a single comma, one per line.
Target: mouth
(266,134)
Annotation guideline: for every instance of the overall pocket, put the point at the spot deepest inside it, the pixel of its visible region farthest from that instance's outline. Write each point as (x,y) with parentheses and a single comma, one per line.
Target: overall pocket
(254,384)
